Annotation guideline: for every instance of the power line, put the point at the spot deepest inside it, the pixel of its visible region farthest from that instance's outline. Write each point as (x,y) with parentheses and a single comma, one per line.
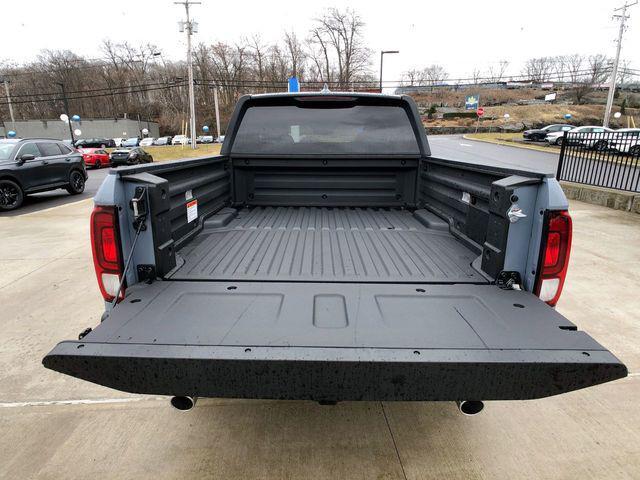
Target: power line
(83,97)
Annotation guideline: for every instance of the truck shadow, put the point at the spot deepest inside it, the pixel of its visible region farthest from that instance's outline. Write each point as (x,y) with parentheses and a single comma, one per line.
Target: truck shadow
(300,439)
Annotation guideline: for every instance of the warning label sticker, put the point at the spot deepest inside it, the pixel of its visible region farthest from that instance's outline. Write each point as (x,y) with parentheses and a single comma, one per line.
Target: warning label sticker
(192,211)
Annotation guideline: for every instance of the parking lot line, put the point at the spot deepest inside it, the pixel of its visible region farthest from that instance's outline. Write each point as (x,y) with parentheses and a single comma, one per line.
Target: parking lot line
(85,401)
(44,210)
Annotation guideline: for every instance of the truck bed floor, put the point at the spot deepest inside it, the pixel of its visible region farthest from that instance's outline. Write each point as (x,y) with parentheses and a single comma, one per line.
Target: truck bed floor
(327,244)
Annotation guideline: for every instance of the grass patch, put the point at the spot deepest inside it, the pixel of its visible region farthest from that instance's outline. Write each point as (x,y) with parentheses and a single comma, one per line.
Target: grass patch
(166,153)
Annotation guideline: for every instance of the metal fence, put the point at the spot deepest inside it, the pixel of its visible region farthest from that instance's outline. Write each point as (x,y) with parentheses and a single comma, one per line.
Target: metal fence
(604,159)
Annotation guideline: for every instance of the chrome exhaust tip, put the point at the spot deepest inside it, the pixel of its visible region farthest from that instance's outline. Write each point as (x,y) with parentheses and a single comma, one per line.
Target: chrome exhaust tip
(470,407)
(184,404)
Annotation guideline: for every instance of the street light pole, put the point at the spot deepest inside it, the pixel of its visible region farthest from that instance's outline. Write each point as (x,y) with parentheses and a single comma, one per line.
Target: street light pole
(6,89)
(614,74)
(192,101)
(381,62)
(66,111)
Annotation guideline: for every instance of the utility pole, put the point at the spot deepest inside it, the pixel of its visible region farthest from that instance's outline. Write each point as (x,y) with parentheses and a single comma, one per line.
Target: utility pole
(6,89)
(215,101)
(66,111)
(190,27)
(614,74)
(381,61)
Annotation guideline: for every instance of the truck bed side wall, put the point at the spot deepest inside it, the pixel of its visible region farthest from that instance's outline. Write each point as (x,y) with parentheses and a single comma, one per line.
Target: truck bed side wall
(171,187)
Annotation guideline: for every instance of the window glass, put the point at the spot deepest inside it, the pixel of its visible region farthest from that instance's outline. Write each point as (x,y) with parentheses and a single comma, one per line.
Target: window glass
(65,150)
(356,129)
(49,149)
(6,149)
(29,149)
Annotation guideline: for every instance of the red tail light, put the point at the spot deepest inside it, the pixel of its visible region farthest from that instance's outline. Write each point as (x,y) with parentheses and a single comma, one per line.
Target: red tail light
(105,245)
(555,256)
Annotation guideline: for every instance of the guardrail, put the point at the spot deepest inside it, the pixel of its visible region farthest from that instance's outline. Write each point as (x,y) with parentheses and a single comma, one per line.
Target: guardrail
(603,159)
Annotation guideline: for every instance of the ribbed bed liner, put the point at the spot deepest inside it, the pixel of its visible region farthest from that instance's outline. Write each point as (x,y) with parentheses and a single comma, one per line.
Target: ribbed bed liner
(328,245)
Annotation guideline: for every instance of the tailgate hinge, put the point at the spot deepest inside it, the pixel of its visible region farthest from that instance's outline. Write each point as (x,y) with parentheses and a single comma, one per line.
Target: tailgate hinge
(146,273)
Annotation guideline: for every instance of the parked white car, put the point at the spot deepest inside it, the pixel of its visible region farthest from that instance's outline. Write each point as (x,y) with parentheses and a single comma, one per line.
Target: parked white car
(147,142)
(180,140)
(628,142)
(556,138)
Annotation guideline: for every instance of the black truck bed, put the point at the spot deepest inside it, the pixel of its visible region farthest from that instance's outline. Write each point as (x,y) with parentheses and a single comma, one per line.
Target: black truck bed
(328,245)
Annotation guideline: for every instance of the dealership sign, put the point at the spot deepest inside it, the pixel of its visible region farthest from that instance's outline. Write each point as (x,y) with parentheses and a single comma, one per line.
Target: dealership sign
(471,102)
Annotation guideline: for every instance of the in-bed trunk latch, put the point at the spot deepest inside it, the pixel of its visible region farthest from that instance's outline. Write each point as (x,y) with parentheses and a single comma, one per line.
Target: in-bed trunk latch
(509,280)
(140,206)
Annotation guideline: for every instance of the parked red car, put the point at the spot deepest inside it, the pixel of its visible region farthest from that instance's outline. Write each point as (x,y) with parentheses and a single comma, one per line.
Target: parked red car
(95,157)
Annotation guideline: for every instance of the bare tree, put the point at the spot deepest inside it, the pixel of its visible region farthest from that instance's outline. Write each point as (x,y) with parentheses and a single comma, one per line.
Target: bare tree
(538,69)
(413,77)
(434,74)
(574,64)
(131,79)
(340,48)
(597,72)
(297,54)
(497,71)
(559,67)
(476,76)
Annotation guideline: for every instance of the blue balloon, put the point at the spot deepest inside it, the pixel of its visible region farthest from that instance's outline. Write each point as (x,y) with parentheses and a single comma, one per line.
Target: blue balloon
(567,116)
(11,134)
(205,128)
(76,118)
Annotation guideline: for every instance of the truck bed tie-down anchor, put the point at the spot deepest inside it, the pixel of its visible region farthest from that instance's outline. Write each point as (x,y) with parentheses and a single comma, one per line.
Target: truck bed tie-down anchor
(183,403)
(470,407)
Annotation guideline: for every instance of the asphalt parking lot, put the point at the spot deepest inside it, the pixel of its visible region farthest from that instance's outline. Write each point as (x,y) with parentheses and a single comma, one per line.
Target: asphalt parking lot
(60,427)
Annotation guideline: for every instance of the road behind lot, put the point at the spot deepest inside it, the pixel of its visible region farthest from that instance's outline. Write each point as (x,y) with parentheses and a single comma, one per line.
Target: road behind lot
(456,147)
(55,426)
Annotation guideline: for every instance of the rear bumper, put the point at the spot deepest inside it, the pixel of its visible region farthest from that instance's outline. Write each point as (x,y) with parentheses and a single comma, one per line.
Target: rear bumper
(334,373)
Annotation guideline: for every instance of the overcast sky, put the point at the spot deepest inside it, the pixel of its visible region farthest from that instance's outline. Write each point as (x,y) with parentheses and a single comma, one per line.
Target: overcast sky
(460,35)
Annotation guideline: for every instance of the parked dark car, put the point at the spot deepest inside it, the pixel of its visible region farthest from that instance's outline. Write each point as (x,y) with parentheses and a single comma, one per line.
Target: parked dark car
(36,165)
(96,143)
(129,156)
(539,134)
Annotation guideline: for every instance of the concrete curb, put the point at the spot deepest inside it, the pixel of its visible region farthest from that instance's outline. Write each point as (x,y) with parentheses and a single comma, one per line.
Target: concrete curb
(605,197)
(511,144)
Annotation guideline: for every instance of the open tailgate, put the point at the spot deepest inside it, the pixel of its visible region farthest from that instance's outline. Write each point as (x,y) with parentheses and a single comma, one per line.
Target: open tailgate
(332,341)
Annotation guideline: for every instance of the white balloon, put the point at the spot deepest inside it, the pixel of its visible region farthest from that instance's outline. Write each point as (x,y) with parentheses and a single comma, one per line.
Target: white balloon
(145,131)
(77,131)
(617,115)
(64,117)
